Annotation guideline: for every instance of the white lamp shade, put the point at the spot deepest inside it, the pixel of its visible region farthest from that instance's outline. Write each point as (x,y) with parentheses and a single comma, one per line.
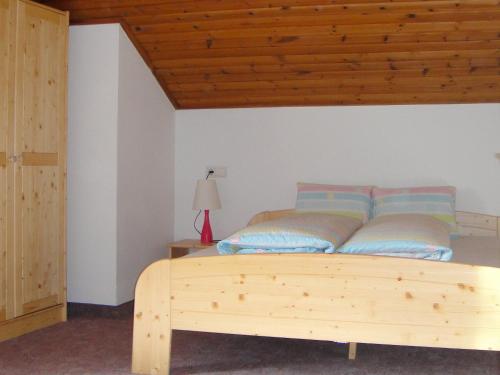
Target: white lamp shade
(206,196)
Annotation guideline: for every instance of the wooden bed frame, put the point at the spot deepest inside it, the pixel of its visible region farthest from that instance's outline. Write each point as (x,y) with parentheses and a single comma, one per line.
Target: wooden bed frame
(345,298)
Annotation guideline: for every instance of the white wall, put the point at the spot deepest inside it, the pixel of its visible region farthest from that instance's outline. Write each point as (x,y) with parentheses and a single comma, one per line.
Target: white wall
(268,150)
(145,209)
(92,158)
(121,160)
(120,166)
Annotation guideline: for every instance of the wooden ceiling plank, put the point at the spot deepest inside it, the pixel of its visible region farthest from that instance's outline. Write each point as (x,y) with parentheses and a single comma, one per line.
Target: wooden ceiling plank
(164,6)
(215,53)
(383,72)
(134,15)
(328,58)
(402,28)
(208,6)
(450,15)
(310,40)
(94,8)
(264,88)
(382,7)
(354,91)
(265,72)
(342,99)
(334,49)
(183,6)
(99,4)
(84,15)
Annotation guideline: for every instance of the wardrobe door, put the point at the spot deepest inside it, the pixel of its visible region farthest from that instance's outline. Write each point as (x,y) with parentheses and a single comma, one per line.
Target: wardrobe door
(40,133)
(7,16)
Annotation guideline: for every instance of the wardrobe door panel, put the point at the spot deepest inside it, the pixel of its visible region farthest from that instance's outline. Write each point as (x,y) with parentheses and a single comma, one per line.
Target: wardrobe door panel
(7,15)
(40,171)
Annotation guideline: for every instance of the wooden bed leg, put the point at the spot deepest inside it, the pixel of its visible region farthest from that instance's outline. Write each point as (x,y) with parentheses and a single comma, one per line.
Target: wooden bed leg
(352,350)
(152,328)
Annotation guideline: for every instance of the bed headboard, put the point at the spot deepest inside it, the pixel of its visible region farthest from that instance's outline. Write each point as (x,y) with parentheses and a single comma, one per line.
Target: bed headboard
(469,223)
(472,224)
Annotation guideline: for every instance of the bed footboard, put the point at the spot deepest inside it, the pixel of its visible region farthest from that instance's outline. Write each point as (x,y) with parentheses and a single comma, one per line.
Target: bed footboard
(152,320)
(345,298)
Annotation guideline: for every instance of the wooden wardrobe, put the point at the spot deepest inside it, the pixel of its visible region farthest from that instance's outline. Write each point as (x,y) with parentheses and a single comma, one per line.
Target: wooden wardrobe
(33,74)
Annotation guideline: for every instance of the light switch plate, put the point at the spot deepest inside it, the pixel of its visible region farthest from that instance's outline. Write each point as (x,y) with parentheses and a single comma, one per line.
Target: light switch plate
(219,172)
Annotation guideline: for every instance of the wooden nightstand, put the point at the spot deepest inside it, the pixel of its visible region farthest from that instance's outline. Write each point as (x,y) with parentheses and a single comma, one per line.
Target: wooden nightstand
(180,248)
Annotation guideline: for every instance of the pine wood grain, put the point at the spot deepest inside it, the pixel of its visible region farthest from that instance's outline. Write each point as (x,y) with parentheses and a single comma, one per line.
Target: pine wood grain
(5,109)
(33,71)
(31,322)
(40,158)
(152,321)
(40,144)
(236,41)
(347,298)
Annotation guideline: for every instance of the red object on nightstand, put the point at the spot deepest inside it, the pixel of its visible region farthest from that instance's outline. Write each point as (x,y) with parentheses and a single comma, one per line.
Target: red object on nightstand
(206,231)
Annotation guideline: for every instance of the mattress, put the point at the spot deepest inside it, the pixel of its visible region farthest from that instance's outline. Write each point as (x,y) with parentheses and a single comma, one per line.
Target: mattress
(478,251)
(474,250)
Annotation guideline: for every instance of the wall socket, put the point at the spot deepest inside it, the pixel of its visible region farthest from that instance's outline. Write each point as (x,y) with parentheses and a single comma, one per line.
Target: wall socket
(218,171)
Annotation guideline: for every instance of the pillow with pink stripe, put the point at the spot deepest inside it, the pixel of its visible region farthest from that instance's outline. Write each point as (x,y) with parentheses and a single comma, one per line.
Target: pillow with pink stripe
(345,200)
(436,201)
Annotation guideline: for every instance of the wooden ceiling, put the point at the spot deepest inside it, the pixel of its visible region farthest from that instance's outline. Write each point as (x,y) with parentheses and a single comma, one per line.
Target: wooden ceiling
(244,53)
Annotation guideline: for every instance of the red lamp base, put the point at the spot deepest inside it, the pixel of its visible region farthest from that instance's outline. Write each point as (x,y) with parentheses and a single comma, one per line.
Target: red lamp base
(206,231)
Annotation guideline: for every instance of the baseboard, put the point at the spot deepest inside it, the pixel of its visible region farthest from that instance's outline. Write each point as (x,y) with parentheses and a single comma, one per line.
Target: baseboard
(32,322)
(88,310)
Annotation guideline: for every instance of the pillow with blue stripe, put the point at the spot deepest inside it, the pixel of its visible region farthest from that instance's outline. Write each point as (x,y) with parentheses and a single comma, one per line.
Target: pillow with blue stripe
(345,200)
(436,201)
(402,235)
(295,233)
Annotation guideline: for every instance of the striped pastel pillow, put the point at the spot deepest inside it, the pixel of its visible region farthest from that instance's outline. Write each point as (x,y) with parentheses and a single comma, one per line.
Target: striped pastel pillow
(436,201)
(352,201)
(404,235)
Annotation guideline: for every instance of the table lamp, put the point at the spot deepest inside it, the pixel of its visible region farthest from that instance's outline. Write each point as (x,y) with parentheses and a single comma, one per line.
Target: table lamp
(206,198)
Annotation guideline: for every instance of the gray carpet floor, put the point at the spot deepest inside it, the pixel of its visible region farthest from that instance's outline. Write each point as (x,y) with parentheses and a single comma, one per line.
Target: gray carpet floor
(103,346)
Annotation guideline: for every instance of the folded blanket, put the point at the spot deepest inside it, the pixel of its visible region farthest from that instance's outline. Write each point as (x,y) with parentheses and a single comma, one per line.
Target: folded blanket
(402,235)
(298,233)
